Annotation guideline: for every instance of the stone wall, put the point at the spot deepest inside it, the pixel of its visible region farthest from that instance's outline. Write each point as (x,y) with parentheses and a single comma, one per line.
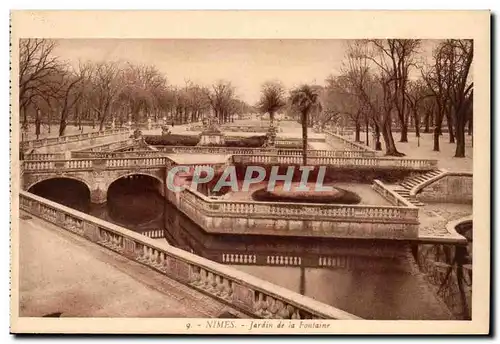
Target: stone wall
(451,188)
(447,271)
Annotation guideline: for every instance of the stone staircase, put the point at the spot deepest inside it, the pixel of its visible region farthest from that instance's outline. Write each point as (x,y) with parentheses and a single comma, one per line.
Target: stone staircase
(409,183)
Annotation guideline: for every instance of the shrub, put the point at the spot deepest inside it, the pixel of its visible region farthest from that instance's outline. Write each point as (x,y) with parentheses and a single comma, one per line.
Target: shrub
(246,142)
(339,196)
(172,140)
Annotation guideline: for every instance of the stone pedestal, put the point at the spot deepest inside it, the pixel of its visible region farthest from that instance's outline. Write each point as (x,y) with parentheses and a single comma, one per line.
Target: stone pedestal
(211,135)
(211,139)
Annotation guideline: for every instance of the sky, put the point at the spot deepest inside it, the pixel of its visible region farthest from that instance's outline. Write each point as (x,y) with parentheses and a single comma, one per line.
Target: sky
(246,63)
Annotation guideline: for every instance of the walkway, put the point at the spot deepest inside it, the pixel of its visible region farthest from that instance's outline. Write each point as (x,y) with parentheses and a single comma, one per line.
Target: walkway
(445,158)
(63,273)
(433,218)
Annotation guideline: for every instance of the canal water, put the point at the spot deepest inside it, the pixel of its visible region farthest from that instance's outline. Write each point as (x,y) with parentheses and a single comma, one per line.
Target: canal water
(390,291)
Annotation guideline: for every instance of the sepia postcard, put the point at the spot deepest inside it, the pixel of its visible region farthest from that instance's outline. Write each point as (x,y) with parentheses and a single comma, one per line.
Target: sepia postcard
(250,172)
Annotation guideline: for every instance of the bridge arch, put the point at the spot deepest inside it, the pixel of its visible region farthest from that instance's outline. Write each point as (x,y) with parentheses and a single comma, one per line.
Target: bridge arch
(139,173)
(71,192)
(55,177)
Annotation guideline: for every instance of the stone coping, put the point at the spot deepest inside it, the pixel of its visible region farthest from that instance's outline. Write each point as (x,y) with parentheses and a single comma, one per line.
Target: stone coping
(90,148)
(349,142)
(71,138)
(391,195)
(319,309)
(452,225)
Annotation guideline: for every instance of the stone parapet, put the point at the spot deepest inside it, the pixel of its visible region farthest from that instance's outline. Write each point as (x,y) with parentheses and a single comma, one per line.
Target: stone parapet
(248,294)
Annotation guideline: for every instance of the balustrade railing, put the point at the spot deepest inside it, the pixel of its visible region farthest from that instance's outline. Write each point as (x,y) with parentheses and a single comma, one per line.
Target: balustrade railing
(163,150)
(297,211)
(102,155)
(81,164)
(261,151)
(393,197)
(70,138)
(332,139)
(44,156)
(246,293)
(381,162)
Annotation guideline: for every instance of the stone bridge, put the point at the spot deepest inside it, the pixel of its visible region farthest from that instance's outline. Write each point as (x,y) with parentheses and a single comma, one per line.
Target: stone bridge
(96,174)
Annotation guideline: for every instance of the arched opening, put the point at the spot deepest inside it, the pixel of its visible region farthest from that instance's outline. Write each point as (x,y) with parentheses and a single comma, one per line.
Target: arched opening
(66,191)
(134,201)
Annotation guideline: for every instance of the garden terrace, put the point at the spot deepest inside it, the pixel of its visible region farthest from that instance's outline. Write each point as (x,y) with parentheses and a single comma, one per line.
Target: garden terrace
(297,219)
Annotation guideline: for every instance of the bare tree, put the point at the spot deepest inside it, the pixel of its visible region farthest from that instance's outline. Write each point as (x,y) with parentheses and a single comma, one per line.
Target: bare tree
(220,98)
(416,93)
(342,99)
(106,83)
(460,53)
(37,65)
(376,91)
(395,57)
(449,81)
(71,89)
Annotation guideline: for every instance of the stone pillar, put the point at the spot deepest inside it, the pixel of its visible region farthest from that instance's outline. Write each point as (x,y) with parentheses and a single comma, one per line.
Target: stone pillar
(98,196)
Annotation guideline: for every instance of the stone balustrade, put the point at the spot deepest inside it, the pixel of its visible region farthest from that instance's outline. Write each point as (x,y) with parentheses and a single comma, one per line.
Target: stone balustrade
(44,156)
(250,295)
(236,128)
(260,151)
(163,150)
(334,139)
(346,162)
(101,148)
(108,155)
(303,219)
(154,233)
(93,164)
(70,138)
(300,210)
(448,186)
(393,197)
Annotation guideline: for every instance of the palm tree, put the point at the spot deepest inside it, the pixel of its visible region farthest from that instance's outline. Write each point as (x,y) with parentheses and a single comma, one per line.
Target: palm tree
(305,99)
(272,99)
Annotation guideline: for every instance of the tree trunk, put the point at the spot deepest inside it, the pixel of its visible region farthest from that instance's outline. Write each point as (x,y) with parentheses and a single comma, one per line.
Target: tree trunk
(367,137)
(304,138)
(449,121)
(436,139)
(378,144)
(25,116)
(271,119)
(470,127)
(62,125)
(417,123)
(358,132)
(427,121)
(404,133)
(460,148)
(390,146)
(37,124)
